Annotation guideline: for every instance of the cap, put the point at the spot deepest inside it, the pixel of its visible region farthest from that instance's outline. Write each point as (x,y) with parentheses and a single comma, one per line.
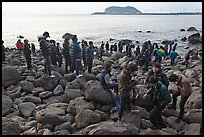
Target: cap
(46,34)
(156,65)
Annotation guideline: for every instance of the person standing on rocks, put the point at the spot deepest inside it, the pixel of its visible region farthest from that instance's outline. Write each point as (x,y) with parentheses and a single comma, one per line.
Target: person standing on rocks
(53,50)
(187,57)
(101,51)
(90,56)
(157,71)
(125,85)
(27,54)
(173,56)
(33,49)
(184,89)
(59,55)
(137,51)
(107,47)
(160,98)
(3,51)
(45,49)
(66,54)
(76,54)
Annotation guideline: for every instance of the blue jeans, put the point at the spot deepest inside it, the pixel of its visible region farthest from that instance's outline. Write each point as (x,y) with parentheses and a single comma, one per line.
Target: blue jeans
(47,65)
(75,66)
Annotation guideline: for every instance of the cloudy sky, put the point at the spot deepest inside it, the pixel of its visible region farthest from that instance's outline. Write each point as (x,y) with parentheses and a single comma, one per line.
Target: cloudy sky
(90,7)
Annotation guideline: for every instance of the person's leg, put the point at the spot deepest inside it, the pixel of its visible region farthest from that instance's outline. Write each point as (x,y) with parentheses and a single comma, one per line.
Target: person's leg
(66,67)
(49,65)
(122,107)
(175,95)
(153,117)
(181,105)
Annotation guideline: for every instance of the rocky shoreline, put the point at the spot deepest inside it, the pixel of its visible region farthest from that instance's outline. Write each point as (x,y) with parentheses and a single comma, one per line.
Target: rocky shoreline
(33,104)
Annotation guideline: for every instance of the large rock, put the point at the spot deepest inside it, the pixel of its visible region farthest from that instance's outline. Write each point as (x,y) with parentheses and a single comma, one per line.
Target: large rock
(126,42)
(79,103)
(71,94)
(194,38)
(110,128)
(63,82)
(58,90)
(7,105)
(26,108)
(86,117)
(134,118)
(192,29)
(192,129)
(95,92)
(171,122)
(10,76)
(194,116)
(46,83)
(116,55)
(10,128)
(70,77)
(33,99)
(52,114)
(27,86)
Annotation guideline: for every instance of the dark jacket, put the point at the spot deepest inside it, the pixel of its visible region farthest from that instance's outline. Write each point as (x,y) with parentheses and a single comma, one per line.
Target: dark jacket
(161,76)
(160,96)
(90,53)
(44,48)
(103,74)
(26,50)
(66,53)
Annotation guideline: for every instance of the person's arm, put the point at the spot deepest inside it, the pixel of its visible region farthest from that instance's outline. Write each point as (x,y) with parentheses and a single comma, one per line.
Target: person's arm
(107,79)
(127,84)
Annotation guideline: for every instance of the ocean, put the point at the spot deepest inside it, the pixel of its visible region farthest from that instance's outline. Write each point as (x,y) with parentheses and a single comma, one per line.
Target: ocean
(99,27)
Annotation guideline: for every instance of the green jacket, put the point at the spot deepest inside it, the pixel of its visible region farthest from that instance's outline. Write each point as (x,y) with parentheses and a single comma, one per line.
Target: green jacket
(124,83)
(163,94)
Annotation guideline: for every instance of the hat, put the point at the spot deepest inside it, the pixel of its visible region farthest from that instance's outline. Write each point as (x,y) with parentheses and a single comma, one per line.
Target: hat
(156,65)
(46,34)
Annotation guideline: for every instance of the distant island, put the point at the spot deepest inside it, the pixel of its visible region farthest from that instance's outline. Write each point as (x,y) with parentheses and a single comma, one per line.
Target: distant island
(116,10)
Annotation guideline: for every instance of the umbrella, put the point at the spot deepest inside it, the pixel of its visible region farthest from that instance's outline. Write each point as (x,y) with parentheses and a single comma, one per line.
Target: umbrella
(20,37)
(67,36)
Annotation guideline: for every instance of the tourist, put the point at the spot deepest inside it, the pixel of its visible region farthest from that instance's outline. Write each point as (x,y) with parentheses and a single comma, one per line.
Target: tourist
(90,56)
(59,55)
(33,49)
(160,98)
(45,49)
(76,54)
(157,71)
(120,47)
(173,56)
(187,57)
(184,89)
(159,54)
(101,51)
(107,47)
(27,54)
(66,55)
(125,85)
(84,46)
(53,50)
(137,51)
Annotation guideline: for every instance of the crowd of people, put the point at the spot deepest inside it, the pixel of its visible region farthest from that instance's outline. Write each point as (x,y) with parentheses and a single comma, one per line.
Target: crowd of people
(79,57)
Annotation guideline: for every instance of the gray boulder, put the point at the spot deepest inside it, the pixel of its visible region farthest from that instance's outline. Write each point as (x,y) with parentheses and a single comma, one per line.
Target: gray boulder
(33,99)
(192,129)
(26,108)
(86,117)
(171,122)
(134,118)
(58,90)
(110,128)
(95,92)
(194,116)
(10,128)
(10,76)
(27,86)
(70,77)
(7,105)
(46,83)
(63,82)
(116,55)
(71,94)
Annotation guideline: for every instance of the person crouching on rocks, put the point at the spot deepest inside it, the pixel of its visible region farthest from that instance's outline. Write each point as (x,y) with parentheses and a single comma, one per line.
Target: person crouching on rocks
(184,89)
(160,98)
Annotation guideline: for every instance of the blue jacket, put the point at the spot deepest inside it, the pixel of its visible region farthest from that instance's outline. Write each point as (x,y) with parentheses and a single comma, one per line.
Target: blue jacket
(90,53)
(75,51)
(173,55)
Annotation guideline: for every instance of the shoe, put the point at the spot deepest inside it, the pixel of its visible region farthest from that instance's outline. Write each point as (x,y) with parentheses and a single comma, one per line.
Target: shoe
(52,76)
(135,111)
(178,120)
(171,107)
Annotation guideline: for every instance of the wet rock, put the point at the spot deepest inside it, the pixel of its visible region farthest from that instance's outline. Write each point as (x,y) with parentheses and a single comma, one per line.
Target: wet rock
(182,29)
(192,29)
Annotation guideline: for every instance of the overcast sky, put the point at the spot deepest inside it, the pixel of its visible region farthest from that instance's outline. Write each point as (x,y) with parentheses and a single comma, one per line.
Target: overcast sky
(90,7)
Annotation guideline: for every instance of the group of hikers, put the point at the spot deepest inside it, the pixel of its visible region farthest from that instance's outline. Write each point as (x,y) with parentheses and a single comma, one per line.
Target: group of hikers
(79,57)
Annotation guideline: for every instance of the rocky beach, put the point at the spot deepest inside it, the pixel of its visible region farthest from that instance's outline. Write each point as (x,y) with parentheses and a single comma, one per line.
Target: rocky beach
(33,104)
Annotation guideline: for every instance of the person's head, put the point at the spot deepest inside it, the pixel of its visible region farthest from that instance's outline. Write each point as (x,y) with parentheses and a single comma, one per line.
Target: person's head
(58,44)
(156,67)
(108,65)
(2,42)
(26,41)
(173,49)
(131,67)
(91,43)
(173,78)
(153,80)
(74,38)
(46,34)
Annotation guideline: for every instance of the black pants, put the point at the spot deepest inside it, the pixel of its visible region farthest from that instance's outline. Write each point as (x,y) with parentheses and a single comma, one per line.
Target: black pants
(172,62)
(125,103)
(156,117)
(89,64)
(28,61)
(182,102)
